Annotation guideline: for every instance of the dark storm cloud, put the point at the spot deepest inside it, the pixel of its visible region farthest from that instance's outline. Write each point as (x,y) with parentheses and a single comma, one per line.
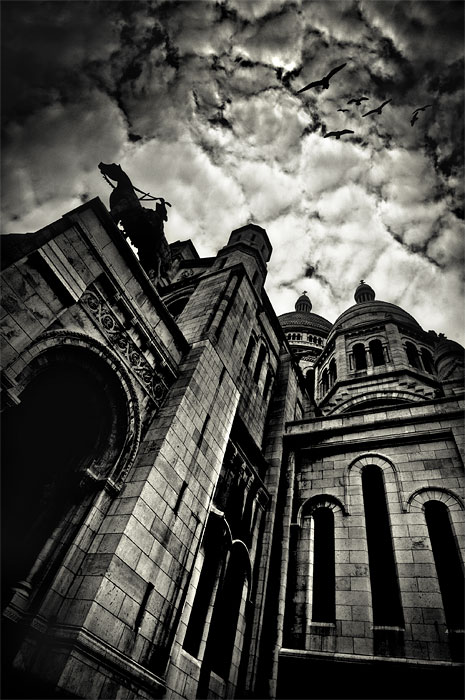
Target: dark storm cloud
(197,101)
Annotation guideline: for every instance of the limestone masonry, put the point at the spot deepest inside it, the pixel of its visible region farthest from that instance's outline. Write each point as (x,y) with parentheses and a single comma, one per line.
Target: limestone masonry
(202,500)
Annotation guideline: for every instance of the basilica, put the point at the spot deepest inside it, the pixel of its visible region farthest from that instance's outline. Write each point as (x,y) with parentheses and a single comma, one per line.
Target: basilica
(201,499)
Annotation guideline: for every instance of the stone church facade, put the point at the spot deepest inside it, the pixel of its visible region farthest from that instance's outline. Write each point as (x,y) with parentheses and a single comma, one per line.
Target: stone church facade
(200,499)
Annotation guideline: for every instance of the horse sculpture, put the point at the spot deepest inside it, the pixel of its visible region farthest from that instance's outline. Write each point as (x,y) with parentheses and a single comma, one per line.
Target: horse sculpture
(144,227)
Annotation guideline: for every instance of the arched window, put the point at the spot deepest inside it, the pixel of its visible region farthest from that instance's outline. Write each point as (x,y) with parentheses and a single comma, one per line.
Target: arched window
(324,381)
(249,351)
(376,350)
(324,581)
(260,360)
(412,355)
(385,595)
(332,372)
(360,359)
(447,560)
(177,306)
(427,360)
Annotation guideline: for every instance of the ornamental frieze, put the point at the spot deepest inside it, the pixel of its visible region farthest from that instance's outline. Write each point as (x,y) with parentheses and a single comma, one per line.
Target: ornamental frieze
(151,378)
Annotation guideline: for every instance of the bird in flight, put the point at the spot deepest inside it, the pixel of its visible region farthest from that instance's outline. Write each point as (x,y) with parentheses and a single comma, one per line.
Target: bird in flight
(378,110)
(324,82)
(357,100)
(415,114)
(420,109)
(343,110)
(338,134)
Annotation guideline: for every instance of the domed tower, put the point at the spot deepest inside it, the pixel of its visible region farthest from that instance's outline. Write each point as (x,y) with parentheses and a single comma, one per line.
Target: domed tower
(305,331)
(376,355)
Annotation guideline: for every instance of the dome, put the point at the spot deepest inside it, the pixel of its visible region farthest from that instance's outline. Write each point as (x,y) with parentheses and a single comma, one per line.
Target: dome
(364,293)
(366,312)
(303,303)
(307,321)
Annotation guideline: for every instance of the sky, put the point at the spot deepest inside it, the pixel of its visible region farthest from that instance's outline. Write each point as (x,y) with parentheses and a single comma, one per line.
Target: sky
(197,101)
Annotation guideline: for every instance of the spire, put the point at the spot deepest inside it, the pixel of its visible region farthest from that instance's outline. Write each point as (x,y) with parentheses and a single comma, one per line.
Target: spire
(303,303)
(364,293)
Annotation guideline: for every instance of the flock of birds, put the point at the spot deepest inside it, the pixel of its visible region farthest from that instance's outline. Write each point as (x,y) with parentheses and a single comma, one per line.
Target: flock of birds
(324,83)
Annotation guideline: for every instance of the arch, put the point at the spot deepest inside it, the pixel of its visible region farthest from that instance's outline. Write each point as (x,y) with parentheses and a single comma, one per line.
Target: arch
(376,351)
(385,592)
(326,500)
(412,355)
(427,360)
(416,501)
(38,356)
(376,459)
(177,306)
(372,397)
(359,354)
(75,414)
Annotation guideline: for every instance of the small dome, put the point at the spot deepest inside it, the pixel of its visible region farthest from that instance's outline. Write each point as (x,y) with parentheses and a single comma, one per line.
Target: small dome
(374,312)
(303,304)
(364,293)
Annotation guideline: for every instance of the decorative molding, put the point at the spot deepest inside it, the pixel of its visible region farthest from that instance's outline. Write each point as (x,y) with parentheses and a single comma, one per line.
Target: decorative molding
(150,378)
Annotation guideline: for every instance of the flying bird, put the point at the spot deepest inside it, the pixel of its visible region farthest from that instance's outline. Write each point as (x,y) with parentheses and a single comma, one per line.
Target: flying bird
(343,110)
(324,82)
(420,109)
(338,134)
(415,114)
(378,110)
(357,100)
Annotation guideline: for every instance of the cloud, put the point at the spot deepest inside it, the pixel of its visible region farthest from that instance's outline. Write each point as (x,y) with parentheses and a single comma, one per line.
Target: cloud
(197,101)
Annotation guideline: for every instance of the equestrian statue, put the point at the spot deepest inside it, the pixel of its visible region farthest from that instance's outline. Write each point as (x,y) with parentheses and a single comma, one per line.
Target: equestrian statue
(143,227)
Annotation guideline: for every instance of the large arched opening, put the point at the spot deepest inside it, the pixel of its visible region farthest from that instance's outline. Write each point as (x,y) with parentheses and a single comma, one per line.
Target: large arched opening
(58,445)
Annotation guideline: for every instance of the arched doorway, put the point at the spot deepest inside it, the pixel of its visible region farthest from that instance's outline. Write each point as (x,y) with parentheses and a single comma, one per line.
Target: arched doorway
(63,437)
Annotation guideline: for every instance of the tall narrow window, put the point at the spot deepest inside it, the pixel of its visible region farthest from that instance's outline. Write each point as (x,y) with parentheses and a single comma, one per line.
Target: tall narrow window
(332,372)
(324,582)
(360,359)
(249,351)
(377,355)
(268,380)
(324,381)
(387,609)
(447,560)
(201,603)
(258,366)
(412,355)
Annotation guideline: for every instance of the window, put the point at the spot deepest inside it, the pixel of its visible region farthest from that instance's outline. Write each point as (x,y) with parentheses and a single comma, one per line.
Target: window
(324,582)
(177,306)
(268,380)
(447,560)
(377,355)
(360,359)
(412,355)
(427,360)
(332,372)
(249,351)
(324,381)
(258,366)
(385,594)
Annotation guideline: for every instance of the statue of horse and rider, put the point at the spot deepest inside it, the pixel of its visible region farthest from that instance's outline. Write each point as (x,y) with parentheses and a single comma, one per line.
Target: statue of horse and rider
(144,227)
